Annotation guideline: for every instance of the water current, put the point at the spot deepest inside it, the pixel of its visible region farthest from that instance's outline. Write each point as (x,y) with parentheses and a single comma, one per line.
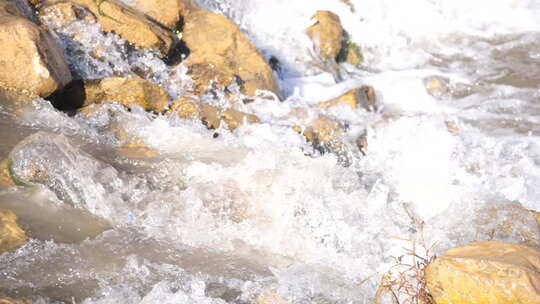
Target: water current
(258,211)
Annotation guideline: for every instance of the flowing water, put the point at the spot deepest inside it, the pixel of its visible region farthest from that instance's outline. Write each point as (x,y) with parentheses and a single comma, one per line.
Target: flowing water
(195,218)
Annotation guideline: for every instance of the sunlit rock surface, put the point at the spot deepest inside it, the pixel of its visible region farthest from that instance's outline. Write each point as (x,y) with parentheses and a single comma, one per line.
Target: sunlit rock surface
(33,64)
(220,52)
(113,16)
(487,272)
(11,234)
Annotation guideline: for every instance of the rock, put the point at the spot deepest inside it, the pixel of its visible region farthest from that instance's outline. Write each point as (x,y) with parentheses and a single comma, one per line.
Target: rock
(485,272)
(11,235)
(131,146)
(211,116)
(320,130)
(5,174)
(327,34)
(33,64)
(126,91)
(44,158)
(437,87)
(270,298)
(19,301)
(165,12)
(114,17)
(219,52)
(363,96)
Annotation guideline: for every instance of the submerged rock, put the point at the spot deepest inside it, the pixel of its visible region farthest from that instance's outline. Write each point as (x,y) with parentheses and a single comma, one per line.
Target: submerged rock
(220,54)
(211,116)
(19,301)
(113,16)
(363,96)
(74,176)
(11,234)
(33,64)
(485,272)
(126,91)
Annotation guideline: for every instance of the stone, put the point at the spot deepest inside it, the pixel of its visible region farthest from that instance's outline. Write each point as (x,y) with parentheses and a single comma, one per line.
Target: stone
(270,298)
(210,116)
(363,96)
(221,55)
(33,64)
(18,301)
(485,272)
(437,87)
(165,12)
(320,130)
(6,179)
(126,91)
(116,17)
(326,34)
(11,234)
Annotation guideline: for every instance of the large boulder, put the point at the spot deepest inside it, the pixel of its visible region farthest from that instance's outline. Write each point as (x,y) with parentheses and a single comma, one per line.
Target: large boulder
(165,12)
(33,64)
(211,116)
(126,91)
(486,272)
(11,234)
(113,16)
(220,53)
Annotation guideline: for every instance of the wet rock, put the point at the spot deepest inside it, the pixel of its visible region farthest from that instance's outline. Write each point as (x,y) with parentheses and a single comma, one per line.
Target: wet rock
(74,176)
(126,91)
(270,298)
(19,301)
(363,96)
(437,87)
(11,235)
(5,174)
(220,54)
(33,64)
(114,17)
(486,272)
(165,12)
(211,116)
(327,34)
(131,146)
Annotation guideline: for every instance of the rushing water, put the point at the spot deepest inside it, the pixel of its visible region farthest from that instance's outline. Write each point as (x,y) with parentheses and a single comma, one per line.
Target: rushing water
(259,211)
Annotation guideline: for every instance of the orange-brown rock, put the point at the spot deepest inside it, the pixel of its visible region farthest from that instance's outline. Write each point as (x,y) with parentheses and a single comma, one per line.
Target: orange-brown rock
(221,54)
(17,301)
(165,12)
(486,272)
(327,34)
(320,130)
(211,116)
(11,234)
(363,96)
(126,91)
(32,63)
(5,174)
(116,17)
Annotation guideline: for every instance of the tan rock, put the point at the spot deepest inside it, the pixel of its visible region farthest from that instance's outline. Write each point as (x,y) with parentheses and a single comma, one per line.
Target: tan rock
(270,298)
(126,91)
(5,174)
(115,17)
(131,146)
(33,64)
(221,53)
(320,130)
(327,34)
(437,87)
(363,96)
(211,116)
(11,235)
(165,12)
(486,272)
(17,301)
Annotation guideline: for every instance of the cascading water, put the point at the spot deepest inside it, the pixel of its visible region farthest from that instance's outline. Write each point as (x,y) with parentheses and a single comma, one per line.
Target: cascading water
(224,219)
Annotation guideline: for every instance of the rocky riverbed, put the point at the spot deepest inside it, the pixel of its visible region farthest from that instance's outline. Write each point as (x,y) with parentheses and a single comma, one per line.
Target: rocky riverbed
(181,151)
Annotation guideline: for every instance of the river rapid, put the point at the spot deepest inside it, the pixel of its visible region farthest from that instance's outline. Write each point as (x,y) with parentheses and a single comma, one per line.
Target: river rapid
(213,216)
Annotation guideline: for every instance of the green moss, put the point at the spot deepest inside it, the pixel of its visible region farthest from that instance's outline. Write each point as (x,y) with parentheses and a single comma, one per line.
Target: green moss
(13,176)
(103,14)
